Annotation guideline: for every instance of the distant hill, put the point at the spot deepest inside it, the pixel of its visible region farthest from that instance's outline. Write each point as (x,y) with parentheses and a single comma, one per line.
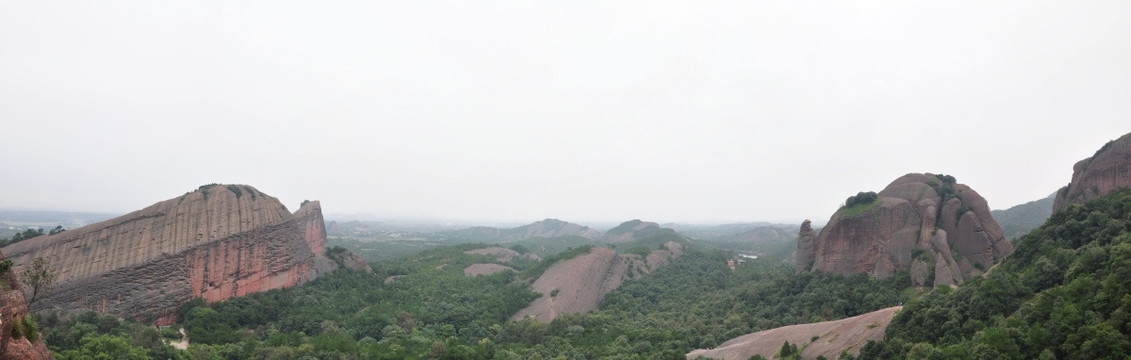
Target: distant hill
(548,228)
(728,231)
(1021,219)
(636,230)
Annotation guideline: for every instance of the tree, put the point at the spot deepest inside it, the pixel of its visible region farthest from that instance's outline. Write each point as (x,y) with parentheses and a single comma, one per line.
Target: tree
(40,275)
(56,230)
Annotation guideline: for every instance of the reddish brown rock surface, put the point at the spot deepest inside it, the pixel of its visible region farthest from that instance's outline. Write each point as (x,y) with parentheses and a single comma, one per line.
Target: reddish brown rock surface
(1107,170)
(832,337)
(941,239)
(13,307)
(217,242)
(579,284)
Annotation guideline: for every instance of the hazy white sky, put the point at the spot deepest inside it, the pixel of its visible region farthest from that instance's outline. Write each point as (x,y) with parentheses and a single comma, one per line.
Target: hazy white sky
(695,111)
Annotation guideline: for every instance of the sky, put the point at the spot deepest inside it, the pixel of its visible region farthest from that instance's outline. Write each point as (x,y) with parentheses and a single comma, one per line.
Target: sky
(598,111)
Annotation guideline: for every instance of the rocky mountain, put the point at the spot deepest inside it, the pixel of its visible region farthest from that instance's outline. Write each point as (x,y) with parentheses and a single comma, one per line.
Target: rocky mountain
(634,230)
(548,228)
(1020,219)
(217,242)
(826,339)
(939,230)
(579,284)
(13,310)
(1108,169)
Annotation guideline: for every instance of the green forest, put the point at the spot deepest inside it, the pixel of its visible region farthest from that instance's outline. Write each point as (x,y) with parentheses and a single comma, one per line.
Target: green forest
(432,310)
(1064,294)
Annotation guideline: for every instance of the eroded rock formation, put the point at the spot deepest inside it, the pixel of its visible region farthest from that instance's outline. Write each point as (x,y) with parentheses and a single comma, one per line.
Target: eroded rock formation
(940,231)
(217,242)
(1107,170)
(579,284)
(826,339)
(13,308)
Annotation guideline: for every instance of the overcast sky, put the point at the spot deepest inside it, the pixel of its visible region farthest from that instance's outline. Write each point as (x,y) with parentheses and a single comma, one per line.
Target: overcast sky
(696,111)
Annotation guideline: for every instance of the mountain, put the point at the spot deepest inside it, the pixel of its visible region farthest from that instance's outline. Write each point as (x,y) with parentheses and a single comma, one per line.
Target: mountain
(939,230)
(636,231)
(548,228)
(1064,294)
(1108,169)
(1020,219)
(578,284)
(710,232)
(13,311)
(826,338)
(217,242)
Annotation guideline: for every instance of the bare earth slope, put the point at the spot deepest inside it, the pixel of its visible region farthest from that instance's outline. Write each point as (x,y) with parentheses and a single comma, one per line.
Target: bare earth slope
(1107,170)
(579,284)
(217,242)
(833,337)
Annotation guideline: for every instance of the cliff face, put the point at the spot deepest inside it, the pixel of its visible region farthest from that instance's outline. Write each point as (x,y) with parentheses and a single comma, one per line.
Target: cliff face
(217,242)
(1107,170)
(579,284)
(13,308)
(940,231)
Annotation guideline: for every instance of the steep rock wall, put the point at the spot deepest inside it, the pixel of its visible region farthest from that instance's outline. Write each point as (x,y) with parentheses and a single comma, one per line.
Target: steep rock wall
(217,242)
(13,307)
(938,230)
(1107,170)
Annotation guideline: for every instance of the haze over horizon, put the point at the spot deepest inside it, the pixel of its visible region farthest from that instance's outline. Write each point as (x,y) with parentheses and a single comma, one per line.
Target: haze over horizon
(585,111)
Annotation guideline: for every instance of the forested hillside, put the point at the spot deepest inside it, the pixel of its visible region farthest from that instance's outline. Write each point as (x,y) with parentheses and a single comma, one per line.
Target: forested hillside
(1064,294)
(432,310)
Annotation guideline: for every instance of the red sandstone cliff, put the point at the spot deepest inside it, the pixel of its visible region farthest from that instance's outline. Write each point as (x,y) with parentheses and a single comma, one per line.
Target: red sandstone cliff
(1107,170)
(13,308)
(921,223)
(217,242)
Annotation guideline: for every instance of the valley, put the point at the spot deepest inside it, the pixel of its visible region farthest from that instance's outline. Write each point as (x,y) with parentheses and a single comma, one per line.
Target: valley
(920,269)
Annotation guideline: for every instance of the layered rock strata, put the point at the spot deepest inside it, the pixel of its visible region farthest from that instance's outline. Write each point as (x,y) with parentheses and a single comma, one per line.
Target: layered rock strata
(215,243)
(938,230)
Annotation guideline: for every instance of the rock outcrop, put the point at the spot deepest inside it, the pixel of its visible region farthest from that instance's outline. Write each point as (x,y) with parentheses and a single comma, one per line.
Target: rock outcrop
(806,239)
(504,254)
(1107,170)
(940,231)
(217,242)
(832,337)
(13,309)
(474,270)
(579,284)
